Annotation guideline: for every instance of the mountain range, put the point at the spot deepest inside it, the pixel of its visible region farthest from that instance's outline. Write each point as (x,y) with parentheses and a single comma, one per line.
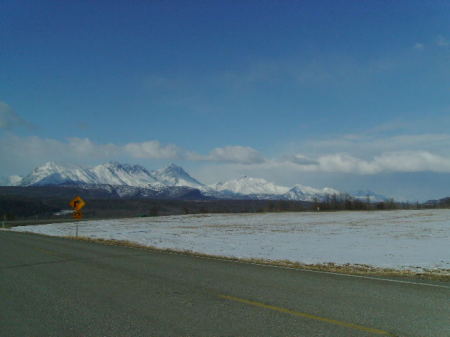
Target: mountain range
(126,180)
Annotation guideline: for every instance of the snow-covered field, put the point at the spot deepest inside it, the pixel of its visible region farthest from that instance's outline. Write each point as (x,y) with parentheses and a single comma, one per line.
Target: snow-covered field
(413,240)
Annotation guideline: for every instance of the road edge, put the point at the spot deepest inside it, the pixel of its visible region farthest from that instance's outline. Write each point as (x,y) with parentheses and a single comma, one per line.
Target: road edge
(347,269)
(360,270)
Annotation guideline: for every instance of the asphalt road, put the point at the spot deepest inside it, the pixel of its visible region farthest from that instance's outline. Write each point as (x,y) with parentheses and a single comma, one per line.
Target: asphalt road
(61,287)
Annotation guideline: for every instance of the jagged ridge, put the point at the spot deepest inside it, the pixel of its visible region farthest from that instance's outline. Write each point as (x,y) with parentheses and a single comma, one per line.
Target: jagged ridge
(135,181)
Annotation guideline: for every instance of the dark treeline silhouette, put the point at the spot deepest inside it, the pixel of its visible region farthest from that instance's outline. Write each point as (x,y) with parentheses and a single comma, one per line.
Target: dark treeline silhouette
(347,202)
(38,203)
(16,209)
(12,208)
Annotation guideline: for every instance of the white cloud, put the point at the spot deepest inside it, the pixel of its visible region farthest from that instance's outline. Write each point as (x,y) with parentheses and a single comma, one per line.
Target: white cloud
(300,159)
(344,163)
(153,150)
(349,155)
(9,118)
(85,147)
(372,145)
(412,161)
(235,154)
(405,161)
(419,46)
(43,149)
(24,153)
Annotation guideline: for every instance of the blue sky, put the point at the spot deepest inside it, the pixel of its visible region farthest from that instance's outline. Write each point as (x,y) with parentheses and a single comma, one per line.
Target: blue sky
(347,94)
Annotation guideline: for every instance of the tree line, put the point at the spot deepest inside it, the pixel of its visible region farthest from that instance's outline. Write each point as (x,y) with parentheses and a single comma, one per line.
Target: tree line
(15,207)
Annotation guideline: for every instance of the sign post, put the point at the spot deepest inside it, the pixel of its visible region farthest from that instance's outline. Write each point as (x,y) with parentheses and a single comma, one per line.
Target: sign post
(77,204)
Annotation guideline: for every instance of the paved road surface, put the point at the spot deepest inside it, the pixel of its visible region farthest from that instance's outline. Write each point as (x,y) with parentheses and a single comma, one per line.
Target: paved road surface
(60,287)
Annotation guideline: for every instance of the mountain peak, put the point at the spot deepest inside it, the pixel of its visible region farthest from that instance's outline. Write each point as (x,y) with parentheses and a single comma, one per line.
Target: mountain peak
(52,173)
(114,165)
(174,168)
(50,165)
(174,175)
(302,192)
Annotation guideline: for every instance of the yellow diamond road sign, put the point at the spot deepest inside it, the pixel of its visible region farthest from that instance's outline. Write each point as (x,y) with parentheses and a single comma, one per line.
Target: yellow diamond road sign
(77,203)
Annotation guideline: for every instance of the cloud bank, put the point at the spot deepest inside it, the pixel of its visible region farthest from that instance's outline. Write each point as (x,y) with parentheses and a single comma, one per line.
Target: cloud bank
(35,150)
(152,150)
(235,154)
(405,161)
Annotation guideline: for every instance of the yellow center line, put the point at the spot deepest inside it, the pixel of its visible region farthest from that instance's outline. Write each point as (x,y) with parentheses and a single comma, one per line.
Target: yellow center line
(306,315)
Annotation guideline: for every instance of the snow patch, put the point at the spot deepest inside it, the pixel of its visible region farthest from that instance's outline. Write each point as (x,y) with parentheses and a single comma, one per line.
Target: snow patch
(248,185)
(407,239)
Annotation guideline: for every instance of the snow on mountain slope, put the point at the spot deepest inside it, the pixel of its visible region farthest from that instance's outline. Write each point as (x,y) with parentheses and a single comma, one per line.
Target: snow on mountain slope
(114,173)
(306,193)
(134,179)
(55,174)
(174,175)
(248,185)
(152,191)
(110,173)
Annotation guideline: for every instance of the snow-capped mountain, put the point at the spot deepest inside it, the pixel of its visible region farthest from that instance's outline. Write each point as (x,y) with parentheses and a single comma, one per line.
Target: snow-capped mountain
(306,193)
(248,185)
(114,173)
(126,180)
(54,174)
(174,175)
(257,188)
(110,173)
